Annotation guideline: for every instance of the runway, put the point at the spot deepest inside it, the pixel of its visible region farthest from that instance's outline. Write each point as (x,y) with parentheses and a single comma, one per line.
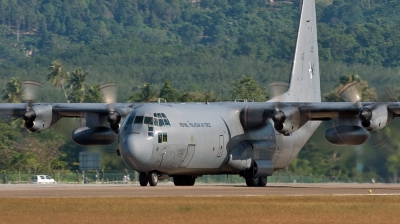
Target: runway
(168,190)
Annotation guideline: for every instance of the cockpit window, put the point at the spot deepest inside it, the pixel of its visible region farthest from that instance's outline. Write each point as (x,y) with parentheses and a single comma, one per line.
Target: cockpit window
(147,120)
(138,120)
(129,120)
(155,121)
(161,120)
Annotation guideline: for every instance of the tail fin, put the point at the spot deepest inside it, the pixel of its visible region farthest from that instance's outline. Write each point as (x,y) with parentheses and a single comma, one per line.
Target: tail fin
(305,81)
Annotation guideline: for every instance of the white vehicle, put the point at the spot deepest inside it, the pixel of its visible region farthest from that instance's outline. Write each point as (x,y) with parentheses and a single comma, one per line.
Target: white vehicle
(42,179)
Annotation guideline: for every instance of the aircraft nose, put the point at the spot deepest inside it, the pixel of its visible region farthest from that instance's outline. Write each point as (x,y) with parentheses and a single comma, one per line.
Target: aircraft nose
(136,152)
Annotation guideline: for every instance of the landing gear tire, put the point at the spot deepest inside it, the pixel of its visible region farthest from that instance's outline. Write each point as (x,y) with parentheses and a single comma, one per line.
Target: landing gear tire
(252,181)
(143,179)
(262,182)
(153,178)
(184,180)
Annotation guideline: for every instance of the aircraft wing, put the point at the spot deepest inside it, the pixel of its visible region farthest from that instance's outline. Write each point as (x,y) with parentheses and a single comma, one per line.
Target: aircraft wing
(63,109)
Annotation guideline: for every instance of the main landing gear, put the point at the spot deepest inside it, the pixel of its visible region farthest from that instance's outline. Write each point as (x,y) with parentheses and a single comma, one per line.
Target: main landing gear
(148,178)
(151,178)
(252,181)
(182,180)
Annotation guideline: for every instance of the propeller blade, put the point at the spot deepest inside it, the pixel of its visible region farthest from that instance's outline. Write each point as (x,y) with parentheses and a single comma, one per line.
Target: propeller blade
(109,92)
(278,88)
(350,93)
(30,89)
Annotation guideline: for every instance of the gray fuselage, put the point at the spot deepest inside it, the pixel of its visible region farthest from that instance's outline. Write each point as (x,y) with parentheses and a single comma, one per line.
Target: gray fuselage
(198,139)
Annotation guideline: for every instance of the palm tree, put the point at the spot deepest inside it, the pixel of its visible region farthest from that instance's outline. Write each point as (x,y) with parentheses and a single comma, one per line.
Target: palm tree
(13,92)
(93,95)
(78,85)
(57,76)
(147,95)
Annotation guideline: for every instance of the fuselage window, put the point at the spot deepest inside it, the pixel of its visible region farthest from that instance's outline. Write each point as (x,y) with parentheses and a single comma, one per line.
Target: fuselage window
(162,137)
(159,137)
(138,120)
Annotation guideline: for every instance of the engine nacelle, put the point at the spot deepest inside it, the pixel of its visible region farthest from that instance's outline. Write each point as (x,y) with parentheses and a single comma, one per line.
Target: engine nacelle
(253,118)
(288,120)
(114,118)
(94,136)
(39,117)
(373,118)
(347,135)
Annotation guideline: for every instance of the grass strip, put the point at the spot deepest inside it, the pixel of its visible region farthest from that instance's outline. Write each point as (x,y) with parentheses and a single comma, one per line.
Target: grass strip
(264,209)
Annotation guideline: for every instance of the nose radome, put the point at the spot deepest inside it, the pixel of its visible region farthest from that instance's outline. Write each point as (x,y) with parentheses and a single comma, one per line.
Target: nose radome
(136,152)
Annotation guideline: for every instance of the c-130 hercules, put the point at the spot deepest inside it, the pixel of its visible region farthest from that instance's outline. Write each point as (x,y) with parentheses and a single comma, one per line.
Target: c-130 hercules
(185,141)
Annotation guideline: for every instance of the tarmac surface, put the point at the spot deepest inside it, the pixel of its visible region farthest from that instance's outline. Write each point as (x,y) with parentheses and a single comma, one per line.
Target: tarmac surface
(200,190)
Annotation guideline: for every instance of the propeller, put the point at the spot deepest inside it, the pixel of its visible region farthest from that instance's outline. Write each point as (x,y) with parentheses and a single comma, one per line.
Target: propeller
(278,88)
(109,93)
(29,90)
(350,93)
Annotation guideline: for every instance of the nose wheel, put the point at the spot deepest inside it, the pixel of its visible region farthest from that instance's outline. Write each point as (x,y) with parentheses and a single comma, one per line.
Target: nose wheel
(148,178)
(143,179)
(153,178)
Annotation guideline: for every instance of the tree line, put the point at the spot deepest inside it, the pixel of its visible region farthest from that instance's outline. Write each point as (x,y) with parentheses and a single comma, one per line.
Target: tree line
(378,158)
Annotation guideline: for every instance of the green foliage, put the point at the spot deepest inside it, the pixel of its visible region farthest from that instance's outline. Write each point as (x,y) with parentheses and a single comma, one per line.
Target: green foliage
(58,77)
(248,89)
(168,93)
(78,86)
(13,91)
(362,90)
(148,94)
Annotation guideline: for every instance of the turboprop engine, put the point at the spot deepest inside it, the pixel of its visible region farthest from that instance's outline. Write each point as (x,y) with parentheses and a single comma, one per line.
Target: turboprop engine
(288,120)
(373,118)
(39,117)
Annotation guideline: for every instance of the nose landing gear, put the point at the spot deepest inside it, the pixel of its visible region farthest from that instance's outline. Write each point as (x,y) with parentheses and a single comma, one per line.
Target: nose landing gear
(148,178)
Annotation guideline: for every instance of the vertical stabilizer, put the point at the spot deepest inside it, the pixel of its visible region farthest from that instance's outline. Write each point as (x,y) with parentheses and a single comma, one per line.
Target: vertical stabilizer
(305,81)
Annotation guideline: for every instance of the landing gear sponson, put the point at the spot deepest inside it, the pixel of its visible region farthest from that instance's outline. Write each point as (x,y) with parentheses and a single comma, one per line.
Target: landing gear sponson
(151,178)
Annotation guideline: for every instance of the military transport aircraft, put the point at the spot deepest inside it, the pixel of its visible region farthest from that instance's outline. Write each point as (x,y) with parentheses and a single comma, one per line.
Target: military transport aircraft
(185,141)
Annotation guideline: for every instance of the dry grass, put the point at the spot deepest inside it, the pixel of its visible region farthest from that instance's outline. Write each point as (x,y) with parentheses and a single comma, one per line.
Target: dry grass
(268,209)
